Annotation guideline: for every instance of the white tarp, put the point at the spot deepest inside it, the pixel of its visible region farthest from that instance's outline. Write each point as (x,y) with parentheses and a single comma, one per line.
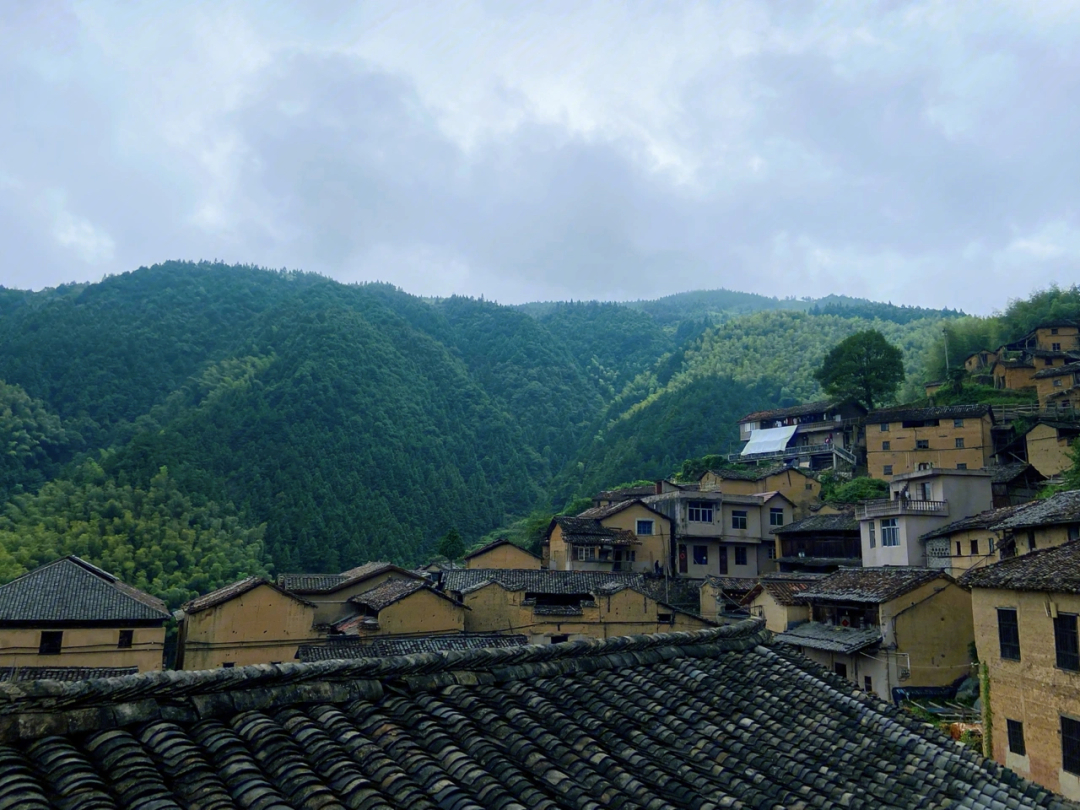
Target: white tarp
(771,440)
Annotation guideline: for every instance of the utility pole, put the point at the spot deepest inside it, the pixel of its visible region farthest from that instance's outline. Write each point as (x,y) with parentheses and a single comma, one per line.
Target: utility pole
(945,332)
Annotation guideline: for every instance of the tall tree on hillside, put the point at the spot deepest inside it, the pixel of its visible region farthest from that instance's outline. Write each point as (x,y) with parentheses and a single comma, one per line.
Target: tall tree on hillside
(864,368)
(451,545)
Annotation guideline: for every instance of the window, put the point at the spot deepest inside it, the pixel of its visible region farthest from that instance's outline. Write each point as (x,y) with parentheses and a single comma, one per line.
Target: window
(1053,331)
(959,549)
(886,445)
(738,519)
(1056,347)
(884,427)
(585,553)
(740,555)
(890,532)
(664,617)
(1065,642)
(959,442)
(957,422)
(887,470)
(990,545)
(772,552)
(872,538)
(1057,383)
(1070,745)
(776,516)
(51,642)
(127,638)
(1008,634)
(922,444)
(868,683)
(229,664)
(1016,737)
(701,555)
(560,639)
(700,512)
(840,669)
(961,466)
(974,547)
(1074,533)
(644,527)
(1031,541)
(1048,361)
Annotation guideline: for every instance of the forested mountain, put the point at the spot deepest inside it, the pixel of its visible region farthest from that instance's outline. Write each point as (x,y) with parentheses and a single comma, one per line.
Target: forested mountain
(186,424)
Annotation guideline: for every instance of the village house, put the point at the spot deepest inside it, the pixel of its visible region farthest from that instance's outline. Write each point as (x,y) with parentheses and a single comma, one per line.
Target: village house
(820,543)
(252,621)
(918,502)
(330,593)
(720,599)
(717,718)
(818,435)
(1047,444)
(610,497)
(1015,483)
(552,606)
(1025,612)
(72,619)
(501,554)
(887,628)
(773,599)
(980,362)
(903,440)
(1014,371)
(1059,389)
(1040,524)
(967,543)
(797,485)
(717,534)
(624,536)
(402,607)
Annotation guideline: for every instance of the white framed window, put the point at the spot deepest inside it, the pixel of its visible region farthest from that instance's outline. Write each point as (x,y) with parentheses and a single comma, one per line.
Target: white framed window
(738,518)
(700,512)
(645,527)
(873,539)
(776,516)
(585,553)
(890,532)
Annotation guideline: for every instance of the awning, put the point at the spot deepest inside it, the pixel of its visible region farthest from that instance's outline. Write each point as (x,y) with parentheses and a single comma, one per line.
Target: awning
(770,440)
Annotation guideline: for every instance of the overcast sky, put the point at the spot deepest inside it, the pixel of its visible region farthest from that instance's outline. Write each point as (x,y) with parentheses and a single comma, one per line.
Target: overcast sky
(923,153)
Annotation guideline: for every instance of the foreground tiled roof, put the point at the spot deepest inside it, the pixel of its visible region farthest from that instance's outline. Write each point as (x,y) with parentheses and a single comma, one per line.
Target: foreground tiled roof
(63,673)
(1053,570)
(873,585)
(830,638)
(918,414)
(821,524)
(1062,507)
(387,647)
(714,719)
(982,520)
(73,590)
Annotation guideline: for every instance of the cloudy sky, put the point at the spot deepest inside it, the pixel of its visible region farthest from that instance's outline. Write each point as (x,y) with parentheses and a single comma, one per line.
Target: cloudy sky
(923,153)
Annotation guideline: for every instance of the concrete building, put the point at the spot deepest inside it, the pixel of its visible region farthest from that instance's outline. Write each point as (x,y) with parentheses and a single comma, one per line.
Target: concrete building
(817,436)
(918,503)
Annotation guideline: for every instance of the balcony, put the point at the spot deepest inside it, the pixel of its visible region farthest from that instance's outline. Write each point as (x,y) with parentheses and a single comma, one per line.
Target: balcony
(798,451)
(900,506)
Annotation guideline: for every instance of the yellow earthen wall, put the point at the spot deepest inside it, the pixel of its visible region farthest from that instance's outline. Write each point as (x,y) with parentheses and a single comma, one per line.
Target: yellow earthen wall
(652,548)
(84,647)
(933,625)
(506,556)
(1046,452)
(421,613)
(942,453)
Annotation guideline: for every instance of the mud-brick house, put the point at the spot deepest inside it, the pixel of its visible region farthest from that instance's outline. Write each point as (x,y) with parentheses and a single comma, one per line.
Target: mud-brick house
(820,543)
(722,598)
(1015,483)
(887,628)
(1055,386)
(890,528)
(330,593)
(252,621)
(773,599)
(1046,445)
(625,536)
(971,542)
(501,554)
(818,435)
(903,440)
(796,484)
(73,616)
(402,607)
(1026,613)
(1040,524)
(551,606)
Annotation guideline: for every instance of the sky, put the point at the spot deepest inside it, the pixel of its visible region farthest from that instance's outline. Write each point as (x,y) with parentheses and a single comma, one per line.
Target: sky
(923,153)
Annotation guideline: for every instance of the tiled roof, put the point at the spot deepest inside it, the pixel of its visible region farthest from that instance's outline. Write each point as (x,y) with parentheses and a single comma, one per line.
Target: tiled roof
(502,541)
(873,585)
(626,493)
(1055,570)
(590,531)
(983,520)
(830,638)
(328,583)
(231,591)
(558,610)
(73,590)
(388,647)
(1057,371)
(714,719)
(732,584)
(1061,507)
(391,591)
(1005,473)
(919,414)
(821,406)
(543,581)
(821,524)
(757,474)
(781,590)
(19,674)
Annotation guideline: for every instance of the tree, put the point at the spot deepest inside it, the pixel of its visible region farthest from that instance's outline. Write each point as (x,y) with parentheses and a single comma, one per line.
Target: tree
(452,546)
(865,368)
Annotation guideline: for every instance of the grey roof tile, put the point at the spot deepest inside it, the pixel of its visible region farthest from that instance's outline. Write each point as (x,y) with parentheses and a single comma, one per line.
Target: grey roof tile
(919,414)
(870,585)
(1061,507)
(830,638)
(1053,570)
